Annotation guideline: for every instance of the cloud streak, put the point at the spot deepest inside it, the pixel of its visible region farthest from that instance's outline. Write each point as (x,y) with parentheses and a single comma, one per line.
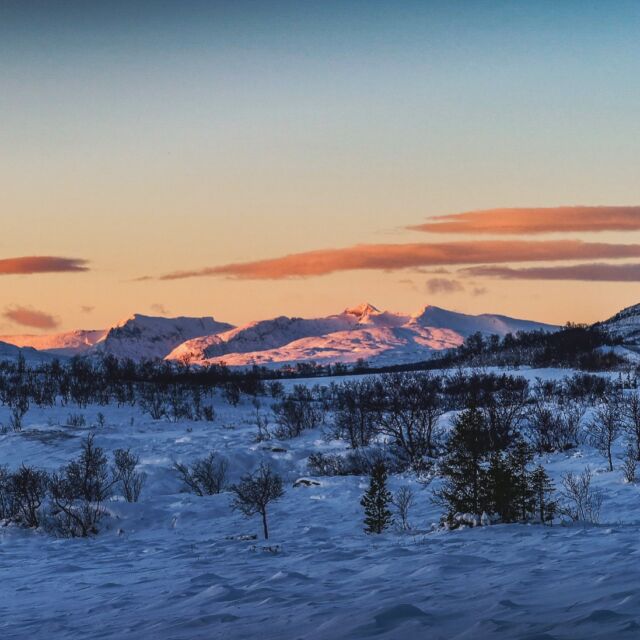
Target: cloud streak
(30,318)
(594,272)
(391,257)
(533,220)
(41,264)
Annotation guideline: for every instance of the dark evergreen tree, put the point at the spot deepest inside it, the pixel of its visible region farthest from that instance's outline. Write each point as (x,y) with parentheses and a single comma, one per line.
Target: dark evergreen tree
(519,459)
(376,501)
(499,489)
(543,489)
(462,469)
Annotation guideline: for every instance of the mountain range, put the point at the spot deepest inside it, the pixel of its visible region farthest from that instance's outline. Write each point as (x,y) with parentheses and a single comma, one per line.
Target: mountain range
(358,333)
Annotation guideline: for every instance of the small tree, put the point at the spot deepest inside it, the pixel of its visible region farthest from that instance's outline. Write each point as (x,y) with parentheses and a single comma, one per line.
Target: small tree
(125,471)
(403,500)
(543,489)
(255,492)
(462,468)
(519,459)
(376,501)
(605,427)
(499,489)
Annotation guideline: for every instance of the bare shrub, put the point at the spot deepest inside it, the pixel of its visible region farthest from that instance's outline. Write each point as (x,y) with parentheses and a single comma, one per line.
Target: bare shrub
(295,413)
(128,477)
(29,487)
(89,475)
(403,500)
(580,501)
(206,476)
(630,465)
(71,515)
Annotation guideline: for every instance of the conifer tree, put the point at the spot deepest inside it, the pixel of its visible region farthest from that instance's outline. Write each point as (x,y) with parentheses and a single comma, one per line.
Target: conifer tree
(462,470)
(520,457)
(542,487)
(500,489)
(376,501)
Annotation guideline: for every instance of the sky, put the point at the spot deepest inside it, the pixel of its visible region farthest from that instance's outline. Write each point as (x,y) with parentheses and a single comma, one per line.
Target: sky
(251,159)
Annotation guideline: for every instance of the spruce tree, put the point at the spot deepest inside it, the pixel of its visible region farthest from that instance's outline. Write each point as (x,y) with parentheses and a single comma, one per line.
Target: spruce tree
(462,468)
(376,501)
(500,491)
(520,457)
(542,488)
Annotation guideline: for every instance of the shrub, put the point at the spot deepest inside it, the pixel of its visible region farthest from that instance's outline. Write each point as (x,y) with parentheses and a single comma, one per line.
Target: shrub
(126,474)
(206,476)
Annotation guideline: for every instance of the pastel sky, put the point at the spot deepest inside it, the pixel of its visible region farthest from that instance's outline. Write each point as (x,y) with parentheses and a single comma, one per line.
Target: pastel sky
(250,159)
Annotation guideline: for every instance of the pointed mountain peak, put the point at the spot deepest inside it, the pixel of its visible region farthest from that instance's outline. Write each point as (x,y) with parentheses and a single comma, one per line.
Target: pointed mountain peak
(362,310)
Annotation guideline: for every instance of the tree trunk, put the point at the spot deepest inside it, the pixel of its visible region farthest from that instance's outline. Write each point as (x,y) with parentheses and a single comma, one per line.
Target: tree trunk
(264,525)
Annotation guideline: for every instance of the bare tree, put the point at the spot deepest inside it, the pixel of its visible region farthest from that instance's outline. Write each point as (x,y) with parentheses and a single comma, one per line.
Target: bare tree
(605,426)
(411,413)
(403,500)
(632,420)
(206,476)
(255,492)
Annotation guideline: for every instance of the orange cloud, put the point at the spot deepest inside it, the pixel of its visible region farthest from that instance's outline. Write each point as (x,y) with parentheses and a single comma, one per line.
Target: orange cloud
(536,220)
(401,256)
(30,318)
(595,272)
(40,264)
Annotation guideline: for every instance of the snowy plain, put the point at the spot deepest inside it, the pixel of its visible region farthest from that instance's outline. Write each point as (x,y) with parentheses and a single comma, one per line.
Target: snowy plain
(176,566)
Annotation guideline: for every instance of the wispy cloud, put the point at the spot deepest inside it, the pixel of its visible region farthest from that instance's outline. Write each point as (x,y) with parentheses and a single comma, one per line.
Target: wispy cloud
(392,257)
(531,220)
(443,286)
(595,272)
(41,264)
(30,318)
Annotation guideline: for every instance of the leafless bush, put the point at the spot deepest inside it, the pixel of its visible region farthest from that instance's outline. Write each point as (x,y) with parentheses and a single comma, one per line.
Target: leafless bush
(29,487)
(295,413)
(580,501)
(71,515)
(630,465)
(126,473)
(88,475)
(403,500)
(206,476)
(76,420)
(7,497)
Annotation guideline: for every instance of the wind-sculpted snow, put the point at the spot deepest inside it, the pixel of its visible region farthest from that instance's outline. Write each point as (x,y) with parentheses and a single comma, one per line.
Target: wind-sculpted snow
(179,566)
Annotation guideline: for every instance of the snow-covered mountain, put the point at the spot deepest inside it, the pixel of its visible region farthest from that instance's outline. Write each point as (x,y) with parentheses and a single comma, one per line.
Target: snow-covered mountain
(12,353)
(625,325)
(70,343)
(362,332)
(148,337)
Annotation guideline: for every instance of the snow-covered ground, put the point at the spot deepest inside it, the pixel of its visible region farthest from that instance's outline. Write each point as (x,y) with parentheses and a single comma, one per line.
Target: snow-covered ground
(174,565)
